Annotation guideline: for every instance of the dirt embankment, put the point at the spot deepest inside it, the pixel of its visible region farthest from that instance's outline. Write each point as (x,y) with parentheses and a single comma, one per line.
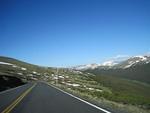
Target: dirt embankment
(7,82)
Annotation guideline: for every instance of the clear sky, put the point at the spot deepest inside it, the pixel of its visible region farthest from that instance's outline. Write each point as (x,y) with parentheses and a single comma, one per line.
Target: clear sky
(72,32)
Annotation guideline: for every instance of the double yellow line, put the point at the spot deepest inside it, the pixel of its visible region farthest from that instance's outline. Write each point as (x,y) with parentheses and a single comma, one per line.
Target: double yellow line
(14,103)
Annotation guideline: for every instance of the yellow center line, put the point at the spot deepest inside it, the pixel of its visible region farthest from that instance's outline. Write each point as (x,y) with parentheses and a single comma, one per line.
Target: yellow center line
(14,103)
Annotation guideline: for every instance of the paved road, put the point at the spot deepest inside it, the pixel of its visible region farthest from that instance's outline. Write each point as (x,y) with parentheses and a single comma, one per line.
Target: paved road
(43,98)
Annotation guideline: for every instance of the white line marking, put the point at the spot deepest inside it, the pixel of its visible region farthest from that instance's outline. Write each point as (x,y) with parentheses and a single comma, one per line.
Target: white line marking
(80,99)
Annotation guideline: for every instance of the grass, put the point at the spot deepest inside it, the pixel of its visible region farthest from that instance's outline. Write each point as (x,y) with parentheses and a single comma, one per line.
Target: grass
(111,92)
(125,91)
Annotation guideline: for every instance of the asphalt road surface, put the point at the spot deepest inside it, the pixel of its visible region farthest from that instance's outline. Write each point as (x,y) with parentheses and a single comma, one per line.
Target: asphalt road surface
(42,98)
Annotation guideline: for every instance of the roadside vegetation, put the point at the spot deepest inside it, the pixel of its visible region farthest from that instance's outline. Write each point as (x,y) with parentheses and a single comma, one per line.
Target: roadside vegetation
(107,91)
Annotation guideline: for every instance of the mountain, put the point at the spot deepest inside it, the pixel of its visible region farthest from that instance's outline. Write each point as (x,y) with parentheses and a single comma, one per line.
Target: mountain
(134,68)
(107,64)
(133,61)
(116,63)
(84,67)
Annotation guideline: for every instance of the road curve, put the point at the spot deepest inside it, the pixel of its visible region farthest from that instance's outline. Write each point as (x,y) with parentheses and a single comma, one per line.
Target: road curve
(44,99)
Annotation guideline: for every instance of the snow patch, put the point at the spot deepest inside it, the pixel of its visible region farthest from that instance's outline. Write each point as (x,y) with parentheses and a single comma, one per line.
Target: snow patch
(14,66)
(24,69)
(109,63)
(62,77)
(30,75)
(19,73)
(67,76)
(91,89)
(55,78)
(99,90)
(141,57)
(74,85)
(130,64)
(34,72)
(5,63)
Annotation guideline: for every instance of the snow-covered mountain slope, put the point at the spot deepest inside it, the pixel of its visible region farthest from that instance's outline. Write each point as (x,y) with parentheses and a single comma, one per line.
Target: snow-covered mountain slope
(109,63)
(106,64)
(133,61)
(115,64)
(85,67)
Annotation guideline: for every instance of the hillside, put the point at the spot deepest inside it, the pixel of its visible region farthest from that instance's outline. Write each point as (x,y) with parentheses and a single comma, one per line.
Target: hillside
(134,68)
(108,91)
(138,72)
(15,72)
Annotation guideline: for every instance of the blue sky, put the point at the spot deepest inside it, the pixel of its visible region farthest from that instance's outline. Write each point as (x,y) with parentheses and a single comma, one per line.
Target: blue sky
(72,32)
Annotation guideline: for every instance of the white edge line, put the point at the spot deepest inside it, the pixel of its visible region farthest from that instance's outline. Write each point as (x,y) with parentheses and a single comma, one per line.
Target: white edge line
(12,89)
(80,99)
